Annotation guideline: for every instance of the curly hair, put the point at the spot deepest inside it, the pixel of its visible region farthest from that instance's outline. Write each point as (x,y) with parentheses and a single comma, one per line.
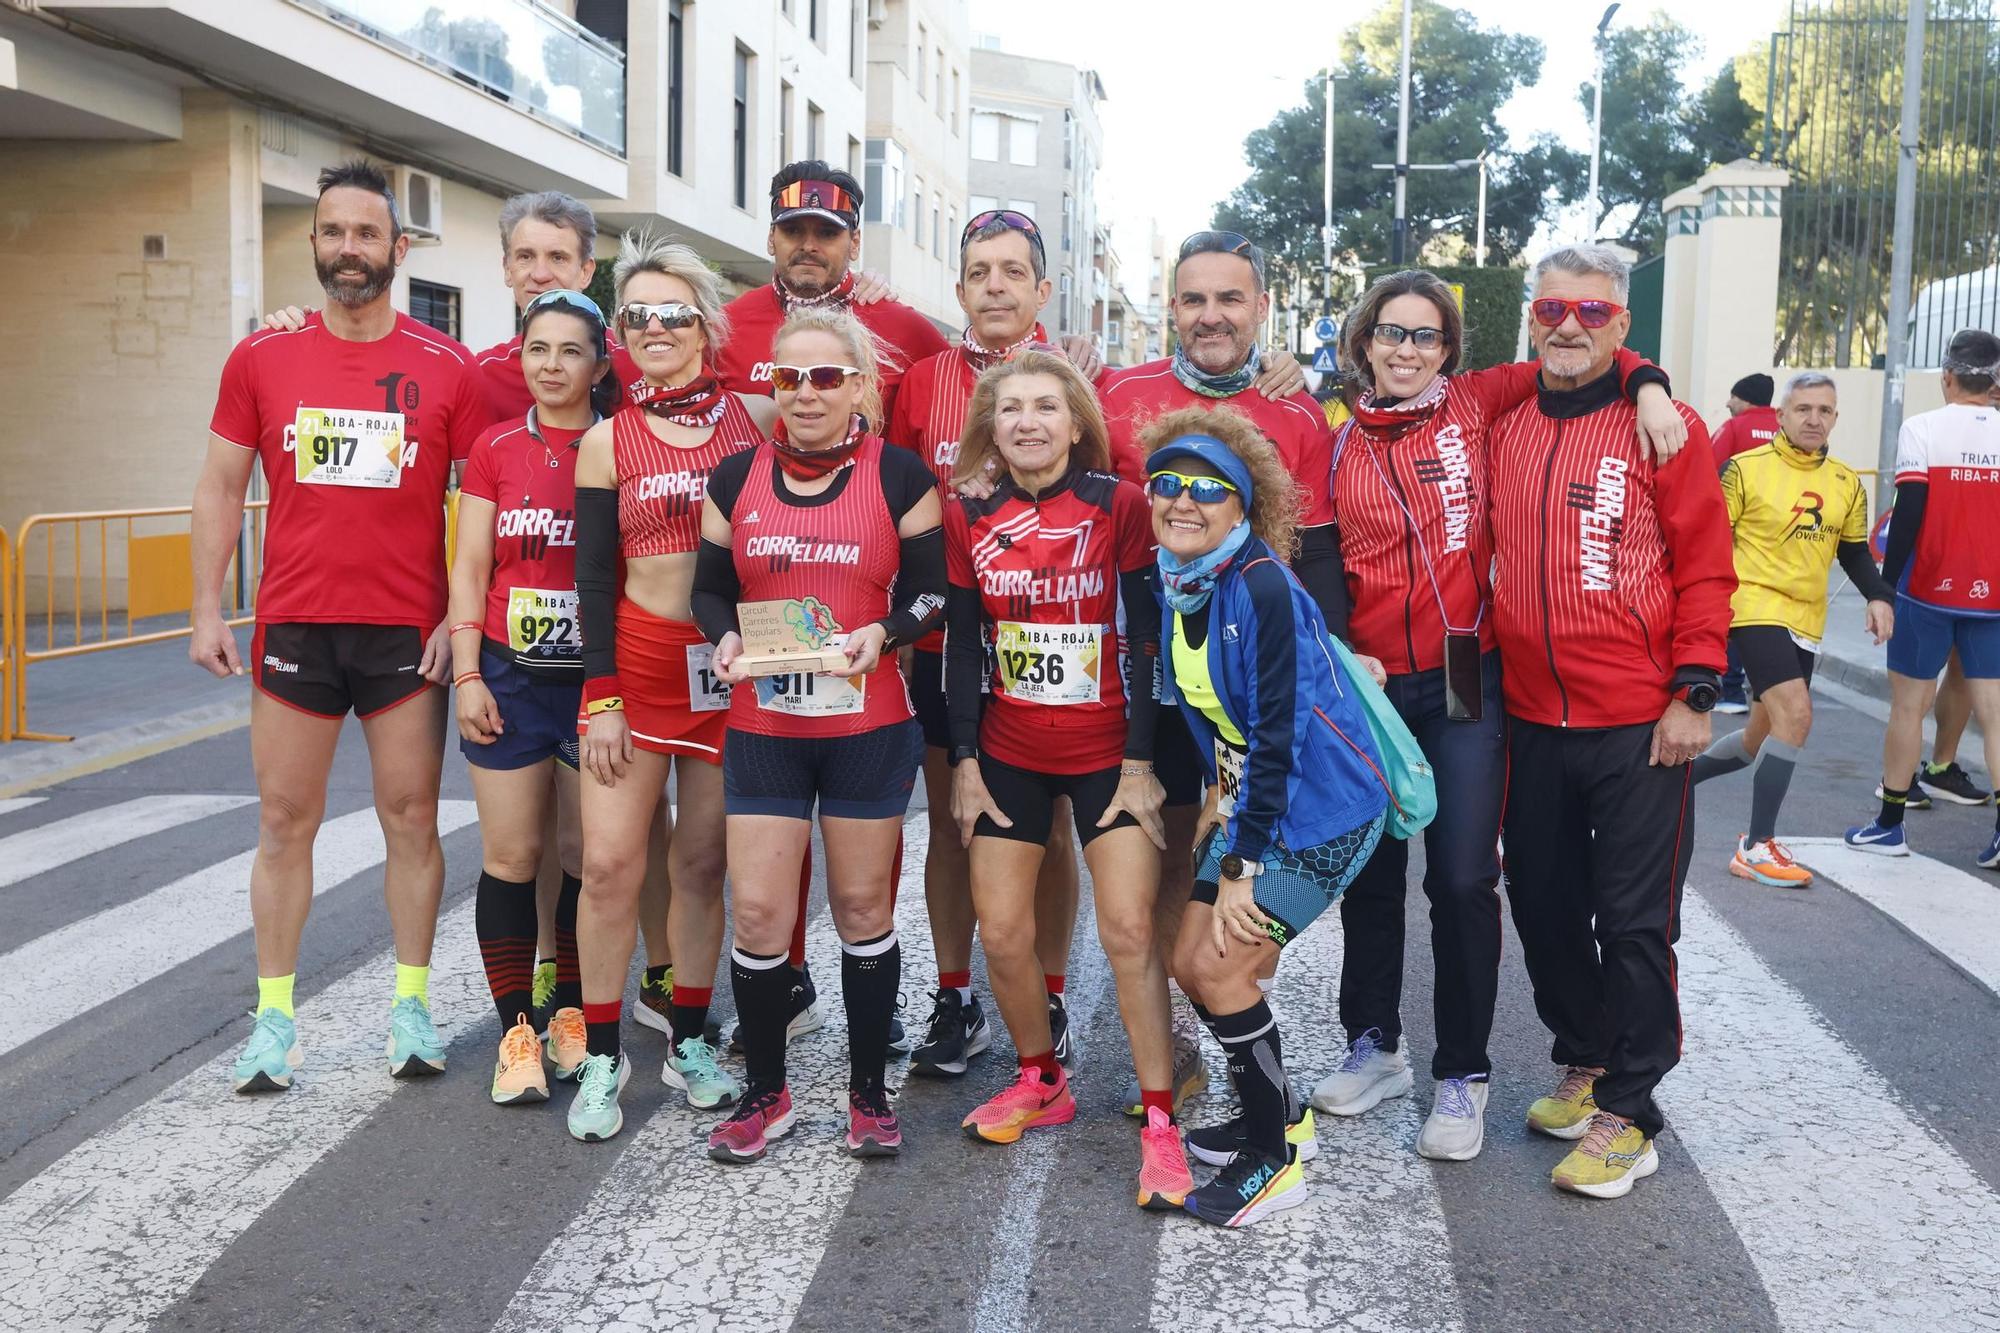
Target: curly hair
(976,445)
(863,351)
(1274,508)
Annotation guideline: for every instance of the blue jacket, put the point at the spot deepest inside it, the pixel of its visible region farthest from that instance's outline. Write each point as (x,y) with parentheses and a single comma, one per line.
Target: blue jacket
(1305,780)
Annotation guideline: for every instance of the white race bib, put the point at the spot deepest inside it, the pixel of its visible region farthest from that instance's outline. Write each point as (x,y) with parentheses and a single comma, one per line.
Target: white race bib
(1049,664)
(541,622)
(706,694)
(339,447)
(1228,777)
(808,694)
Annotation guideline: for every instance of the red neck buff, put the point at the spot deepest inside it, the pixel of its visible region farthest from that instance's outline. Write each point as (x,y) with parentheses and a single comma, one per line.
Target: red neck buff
(1395,421)
(837,295)
(979,358)
(810,464)
(697,403)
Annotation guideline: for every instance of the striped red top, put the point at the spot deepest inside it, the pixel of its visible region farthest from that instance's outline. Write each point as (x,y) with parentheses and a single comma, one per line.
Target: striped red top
(661,486)
(930,416)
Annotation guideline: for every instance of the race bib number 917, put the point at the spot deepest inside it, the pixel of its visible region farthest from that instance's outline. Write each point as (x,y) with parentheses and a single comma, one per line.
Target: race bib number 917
(339,447)
(541,622)
(1049,664)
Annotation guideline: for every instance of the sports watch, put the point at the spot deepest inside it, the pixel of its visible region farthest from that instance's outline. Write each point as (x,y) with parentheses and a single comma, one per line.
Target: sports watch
(1235,867)
(1699,695)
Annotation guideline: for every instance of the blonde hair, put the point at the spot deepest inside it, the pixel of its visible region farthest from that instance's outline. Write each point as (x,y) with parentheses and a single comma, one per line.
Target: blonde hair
(862,352)
(640,251)
(976,445)
(1275,501)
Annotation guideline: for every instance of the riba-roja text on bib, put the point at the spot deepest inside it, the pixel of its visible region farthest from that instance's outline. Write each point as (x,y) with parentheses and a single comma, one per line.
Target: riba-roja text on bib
(542,622)
(341,447)
(1049,664)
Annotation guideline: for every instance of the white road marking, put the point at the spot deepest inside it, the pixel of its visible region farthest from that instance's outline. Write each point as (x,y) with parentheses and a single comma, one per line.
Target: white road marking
(13,803)
(1856,1214)
(124,1225)
(128,945)
(1956,913)
(641,1255)
(38,850)
(1370,1250)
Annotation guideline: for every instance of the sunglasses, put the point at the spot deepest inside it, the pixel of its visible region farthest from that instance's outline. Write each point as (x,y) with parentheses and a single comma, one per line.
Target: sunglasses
(1393,335)
(823,378)
(1202,490)
(1014,221)
(815,194)
(635,315)
(1551,311)
(1223,243)
(564,297)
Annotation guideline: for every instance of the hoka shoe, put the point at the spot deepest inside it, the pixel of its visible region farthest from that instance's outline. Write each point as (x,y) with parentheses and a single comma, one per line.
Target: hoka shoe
(655,1008)
(1873,838)
(872,1130)
(517,1075)
(1566,1112)
(414,1046)
(957,1031)
(1190,1078)
(1768,862)
(1065,1045)
(1218,1145)
(691,1067)
(1249,1190)
(567,1041)
(1024,1104)
(1455,1131)
(1367,1075)
(758,1118)
(593,1113)
(1164,1179)
(544,985)
(1952,783)
(270,1057)
(1611,1157)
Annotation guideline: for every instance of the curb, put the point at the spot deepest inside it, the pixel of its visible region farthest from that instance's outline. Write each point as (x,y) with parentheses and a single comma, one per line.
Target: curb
(46,763)
(1869,678)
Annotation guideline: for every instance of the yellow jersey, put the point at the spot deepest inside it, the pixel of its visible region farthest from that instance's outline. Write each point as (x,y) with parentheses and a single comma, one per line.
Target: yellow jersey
(1191,679)
(1789,512)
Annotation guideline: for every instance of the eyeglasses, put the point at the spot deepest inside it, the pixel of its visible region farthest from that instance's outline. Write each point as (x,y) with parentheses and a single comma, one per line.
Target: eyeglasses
(823,378)
(1223,243)
(1551,311)
(1014,221)
(814,194)
(1392,335)
(1202,490)
(563,296)
(635,315)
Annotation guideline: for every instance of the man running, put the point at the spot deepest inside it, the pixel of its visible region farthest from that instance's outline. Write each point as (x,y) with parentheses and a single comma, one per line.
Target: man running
(360,418)
(1794,510)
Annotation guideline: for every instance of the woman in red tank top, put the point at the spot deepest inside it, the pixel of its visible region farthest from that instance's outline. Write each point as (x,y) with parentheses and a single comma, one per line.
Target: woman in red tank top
(843,535)
(651,700)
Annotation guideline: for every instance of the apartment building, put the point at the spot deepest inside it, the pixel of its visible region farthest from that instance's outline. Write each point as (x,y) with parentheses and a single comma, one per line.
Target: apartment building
(919,97)
(1035,144)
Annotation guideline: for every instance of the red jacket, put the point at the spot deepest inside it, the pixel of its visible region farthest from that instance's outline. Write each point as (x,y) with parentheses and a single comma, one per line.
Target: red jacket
(1748,429)
(1610,573)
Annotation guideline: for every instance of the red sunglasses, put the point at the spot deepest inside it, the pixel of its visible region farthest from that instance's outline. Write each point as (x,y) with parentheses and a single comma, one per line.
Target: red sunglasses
(1551,311)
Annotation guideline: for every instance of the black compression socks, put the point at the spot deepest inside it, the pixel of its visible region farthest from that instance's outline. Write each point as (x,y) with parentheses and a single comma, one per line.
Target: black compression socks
(870,972)
(1256,1066)
(569,976)
(503,917)
(1893,801)
(763,988)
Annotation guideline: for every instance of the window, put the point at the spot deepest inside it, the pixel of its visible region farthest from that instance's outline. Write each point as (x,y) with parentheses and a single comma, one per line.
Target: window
(1069,218)
(1021,136)
(951,223)
(742,129)
(1063,287)
(923,58)
(815,130)
(676,82)
(985,136)
(939,98)
(436,305)
(855,11)
(1069,139)
(853,157)
(884,182)
(784,123)
(937,225)
(785,7)
(1112,334)
(981,203)
(917,221)
(812,20)
(954,100)
(1025,206)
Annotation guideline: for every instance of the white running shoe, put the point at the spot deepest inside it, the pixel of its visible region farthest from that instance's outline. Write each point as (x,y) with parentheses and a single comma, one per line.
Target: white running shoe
(1364,1078)
(1456,1129)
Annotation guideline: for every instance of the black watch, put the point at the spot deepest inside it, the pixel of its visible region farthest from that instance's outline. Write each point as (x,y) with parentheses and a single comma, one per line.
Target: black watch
(962,752)
(1699,695)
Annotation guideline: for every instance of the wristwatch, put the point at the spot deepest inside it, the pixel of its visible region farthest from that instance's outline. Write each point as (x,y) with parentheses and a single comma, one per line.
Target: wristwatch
(960,753)
(1699,695)
(1235,867)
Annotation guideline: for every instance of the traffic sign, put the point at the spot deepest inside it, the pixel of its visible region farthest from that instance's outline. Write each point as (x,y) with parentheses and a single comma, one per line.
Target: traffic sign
(1325,329)
(1323,361)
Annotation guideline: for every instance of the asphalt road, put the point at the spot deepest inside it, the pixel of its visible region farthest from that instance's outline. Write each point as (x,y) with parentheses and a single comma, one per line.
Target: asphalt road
(1832,1160)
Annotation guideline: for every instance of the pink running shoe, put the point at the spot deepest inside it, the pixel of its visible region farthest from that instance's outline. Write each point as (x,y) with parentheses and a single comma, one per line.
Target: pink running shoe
(1027,1102)
(1164,1178)
(872,1130)
(758,1119)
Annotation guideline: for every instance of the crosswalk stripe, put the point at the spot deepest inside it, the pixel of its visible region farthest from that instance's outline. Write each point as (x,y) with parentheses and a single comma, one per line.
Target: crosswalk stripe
(1955,913)
(13,803)
(38,850)
(1855,1213)
(130,944)
(1370,1248)
(121,1227)
(669,1237)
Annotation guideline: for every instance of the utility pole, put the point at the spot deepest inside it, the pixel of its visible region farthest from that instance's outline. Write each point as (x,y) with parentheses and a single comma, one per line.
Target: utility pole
(1399,237)
(1597,117)
(1326,205)
(1479,245)
(1899,259)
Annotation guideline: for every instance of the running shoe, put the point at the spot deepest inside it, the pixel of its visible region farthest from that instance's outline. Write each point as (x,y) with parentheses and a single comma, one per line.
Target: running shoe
(1190,1077)
(1877,841)
(1954,784)
(1164,1178)
(593,1113)
(806,1016)
(656,1003)
(1367,1075)
(1065,1046)
(270,1057)
(1455,1130)
(1768,862)
(1990,858)
(957,1031)
(1025,1103)
(517,1075)
(1249,1190)
(691,1067)
(1918,799)
(899,1040)
(414,1046)
(568,1041)
(1566,1112)
(1612,1156)
(758,1118)
(872,1130)
(544,986)
(1219,1145)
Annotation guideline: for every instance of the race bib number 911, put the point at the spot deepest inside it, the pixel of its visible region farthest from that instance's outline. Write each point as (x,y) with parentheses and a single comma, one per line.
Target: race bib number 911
(1049,664)
(339,447)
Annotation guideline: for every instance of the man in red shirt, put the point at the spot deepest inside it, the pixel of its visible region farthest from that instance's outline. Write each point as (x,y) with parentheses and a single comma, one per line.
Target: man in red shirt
(1610,605)
(1753,422)
(360,419)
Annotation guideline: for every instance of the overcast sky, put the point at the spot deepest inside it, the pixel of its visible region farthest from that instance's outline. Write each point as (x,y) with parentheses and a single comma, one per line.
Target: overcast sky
(1189,81)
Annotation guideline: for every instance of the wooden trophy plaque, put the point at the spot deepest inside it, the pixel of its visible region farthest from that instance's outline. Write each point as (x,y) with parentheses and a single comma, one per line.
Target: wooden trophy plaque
(787,636)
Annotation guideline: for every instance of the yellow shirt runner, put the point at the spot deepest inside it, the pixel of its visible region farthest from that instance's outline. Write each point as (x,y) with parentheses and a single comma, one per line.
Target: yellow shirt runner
(1790,512)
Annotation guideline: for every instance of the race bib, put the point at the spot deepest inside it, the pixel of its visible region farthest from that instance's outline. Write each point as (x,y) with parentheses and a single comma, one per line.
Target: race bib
(1049,664)
(541,622)
(338,447)
(706,694)
(1228,777)
(1810,645)
(808,694)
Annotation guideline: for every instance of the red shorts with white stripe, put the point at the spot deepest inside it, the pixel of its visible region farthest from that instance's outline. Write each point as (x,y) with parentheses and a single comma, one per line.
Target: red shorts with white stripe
(673,703)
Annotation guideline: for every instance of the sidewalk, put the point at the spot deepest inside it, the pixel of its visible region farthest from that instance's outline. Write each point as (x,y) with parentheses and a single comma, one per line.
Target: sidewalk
(1847,655)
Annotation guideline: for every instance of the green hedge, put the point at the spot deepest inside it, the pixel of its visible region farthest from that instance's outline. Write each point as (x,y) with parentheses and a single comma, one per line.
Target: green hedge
(1492,311)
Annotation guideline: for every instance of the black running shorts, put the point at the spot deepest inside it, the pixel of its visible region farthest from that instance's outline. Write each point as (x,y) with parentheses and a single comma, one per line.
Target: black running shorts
(1028,798)
(869,775)
(1771,656)
(328,670)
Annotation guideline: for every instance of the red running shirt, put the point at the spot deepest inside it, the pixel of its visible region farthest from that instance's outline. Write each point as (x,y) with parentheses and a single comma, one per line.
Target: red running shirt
(930,416)
(507,384)
(527,472)
(661,486)
(1052,563)
(1956,449)
(744,364)
(355,535)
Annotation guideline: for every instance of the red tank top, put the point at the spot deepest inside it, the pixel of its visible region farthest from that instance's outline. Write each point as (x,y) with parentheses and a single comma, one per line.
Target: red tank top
(661,486)
(839,559)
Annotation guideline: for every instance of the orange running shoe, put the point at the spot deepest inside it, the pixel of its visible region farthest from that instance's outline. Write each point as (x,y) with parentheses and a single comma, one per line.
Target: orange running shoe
(517,1076)
(1164,1178)
(1768,862)
(568,1042)
(1027,1102)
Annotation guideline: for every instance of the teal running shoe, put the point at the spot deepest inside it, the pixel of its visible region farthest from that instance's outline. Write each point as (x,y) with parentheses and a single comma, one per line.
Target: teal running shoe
(544,984)
(414,1046)
(270,1056)
(692,1068)
(593,1113)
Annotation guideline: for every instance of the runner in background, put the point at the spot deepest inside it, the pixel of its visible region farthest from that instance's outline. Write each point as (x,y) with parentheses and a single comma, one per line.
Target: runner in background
(1752,423)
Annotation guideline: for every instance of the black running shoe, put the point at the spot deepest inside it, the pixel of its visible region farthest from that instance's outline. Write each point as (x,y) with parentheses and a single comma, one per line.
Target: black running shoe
(899,1040)
(1218,1145)
(957,1031)
(1059,1032)
(806,1016)
(1249,1189)
(1954,784)
(1918,799)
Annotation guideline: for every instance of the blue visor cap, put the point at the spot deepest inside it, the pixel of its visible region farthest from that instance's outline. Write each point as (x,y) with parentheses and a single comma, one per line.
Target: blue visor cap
(1210,451)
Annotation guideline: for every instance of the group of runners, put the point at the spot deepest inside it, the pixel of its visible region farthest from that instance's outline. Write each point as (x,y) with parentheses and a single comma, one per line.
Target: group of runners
(1165,615)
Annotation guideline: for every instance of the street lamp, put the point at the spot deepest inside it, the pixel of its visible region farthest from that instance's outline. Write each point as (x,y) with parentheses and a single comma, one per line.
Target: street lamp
(1597,114)
(1399,236)
(1479,243)
(1326,203)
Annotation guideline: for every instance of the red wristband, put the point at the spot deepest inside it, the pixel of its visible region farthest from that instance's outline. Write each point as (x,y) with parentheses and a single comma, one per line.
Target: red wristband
(462,677)
(468,624)
(601,687)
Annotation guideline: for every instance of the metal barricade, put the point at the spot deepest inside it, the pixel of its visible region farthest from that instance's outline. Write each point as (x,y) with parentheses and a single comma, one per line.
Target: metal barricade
(10,667)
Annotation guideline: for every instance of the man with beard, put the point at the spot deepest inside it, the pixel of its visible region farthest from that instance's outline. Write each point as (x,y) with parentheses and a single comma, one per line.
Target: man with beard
(360,418)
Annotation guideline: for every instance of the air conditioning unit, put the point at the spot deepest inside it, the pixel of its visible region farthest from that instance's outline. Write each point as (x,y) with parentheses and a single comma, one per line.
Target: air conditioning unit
(421,198)
(878,13)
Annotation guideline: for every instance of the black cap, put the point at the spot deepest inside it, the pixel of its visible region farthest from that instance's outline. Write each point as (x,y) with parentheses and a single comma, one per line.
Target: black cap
(1755,390)
(814,189)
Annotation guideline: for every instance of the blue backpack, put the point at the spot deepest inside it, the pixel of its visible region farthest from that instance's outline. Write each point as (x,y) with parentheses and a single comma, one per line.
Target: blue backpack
(1404,774)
